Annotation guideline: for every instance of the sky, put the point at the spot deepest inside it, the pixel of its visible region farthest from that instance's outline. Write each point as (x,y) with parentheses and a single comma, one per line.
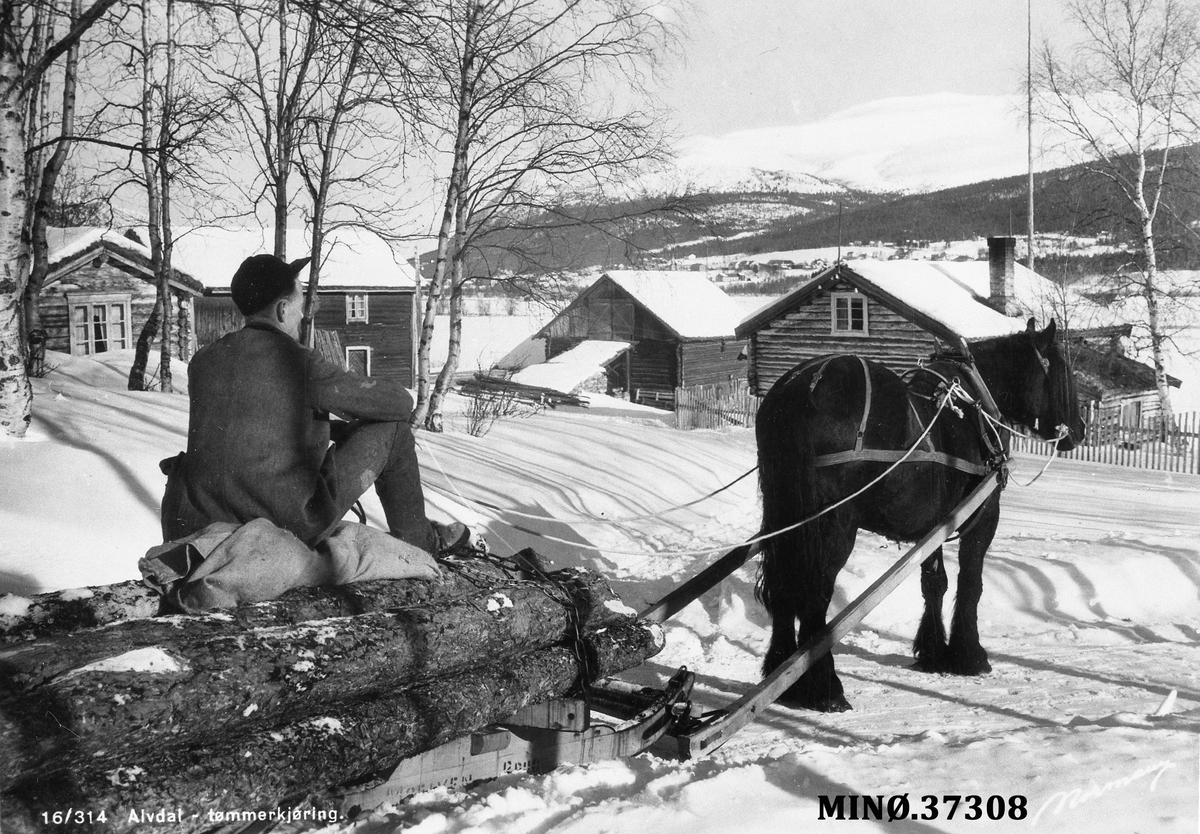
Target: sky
(770,63)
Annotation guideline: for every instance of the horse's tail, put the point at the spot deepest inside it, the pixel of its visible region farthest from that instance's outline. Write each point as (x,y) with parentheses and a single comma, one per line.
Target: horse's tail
(786,482)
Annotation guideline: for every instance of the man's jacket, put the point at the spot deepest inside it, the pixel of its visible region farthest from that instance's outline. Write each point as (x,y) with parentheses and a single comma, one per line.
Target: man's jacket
(258,435)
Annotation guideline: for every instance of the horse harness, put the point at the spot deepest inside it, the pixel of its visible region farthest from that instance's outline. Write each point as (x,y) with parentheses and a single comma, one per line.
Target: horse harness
(981,405)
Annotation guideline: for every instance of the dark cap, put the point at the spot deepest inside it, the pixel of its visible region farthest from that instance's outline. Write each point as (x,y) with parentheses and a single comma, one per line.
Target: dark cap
(263,279)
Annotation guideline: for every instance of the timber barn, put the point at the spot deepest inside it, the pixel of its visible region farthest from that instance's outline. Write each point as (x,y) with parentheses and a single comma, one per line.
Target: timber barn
(366,315)
(101,290)
(894,312)
(679,328)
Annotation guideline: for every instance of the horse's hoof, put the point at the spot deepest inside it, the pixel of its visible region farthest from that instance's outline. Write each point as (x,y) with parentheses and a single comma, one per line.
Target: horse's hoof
(930,665)
(968,663)
(837,703)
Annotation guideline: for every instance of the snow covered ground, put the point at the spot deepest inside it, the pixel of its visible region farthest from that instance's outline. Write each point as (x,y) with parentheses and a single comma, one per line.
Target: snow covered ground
(1090,612)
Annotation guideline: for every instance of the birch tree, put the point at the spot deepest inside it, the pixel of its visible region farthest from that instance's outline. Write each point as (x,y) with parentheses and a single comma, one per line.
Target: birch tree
(271,87)
(349,151)
(1125,95)
(179,114)
(23,64)
(46,159)
(534,100)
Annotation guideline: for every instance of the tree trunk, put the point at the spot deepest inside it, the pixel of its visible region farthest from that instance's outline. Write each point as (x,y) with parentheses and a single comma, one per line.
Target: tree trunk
(165,382)
(44,197)
(345,743)
(16,394)
(433,421)
(61,612)
(454,197)
(1149,288)
(141,354)
(71,700)
(54,615)
(436,285)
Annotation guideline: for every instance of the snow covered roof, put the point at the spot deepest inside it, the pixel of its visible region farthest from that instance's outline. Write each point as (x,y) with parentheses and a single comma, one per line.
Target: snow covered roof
(354,258)
(570,369)
(67,244)
(686,302)
(948,296)
(531,351)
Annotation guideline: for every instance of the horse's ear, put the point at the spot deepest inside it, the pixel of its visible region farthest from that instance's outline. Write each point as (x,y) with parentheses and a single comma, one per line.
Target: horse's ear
(1031,326)
(1044,340)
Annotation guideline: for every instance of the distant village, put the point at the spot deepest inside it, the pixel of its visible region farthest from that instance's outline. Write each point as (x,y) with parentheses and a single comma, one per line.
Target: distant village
(746,273)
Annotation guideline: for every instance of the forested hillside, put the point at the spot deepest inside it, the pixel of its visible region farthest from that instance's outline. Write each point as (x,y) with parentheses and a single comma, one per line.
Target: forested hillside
(1072,201)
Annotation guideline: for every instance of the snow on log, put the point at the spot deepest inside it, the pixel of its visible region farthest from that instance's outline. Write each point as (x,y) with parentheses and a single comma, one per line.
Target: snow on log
(64,611)
(180,679)
(350,742)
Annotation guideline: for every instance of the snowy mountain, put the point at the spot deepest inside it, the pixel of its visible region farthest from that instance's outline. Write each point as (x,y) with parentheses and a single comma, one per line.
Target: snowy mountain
(910,143)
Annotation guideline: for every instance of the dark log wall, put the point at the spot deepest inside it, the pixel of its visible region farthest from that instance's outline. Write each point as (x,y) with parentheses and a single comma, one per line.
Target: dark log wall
(654,365)
(712,362)
(388,331)
(805,333)
(216,315)
(105,277)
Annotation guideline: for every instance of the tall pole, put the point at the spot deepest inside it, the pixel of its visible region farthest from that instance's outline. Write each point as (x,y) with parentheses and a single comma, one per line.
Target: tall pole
(1029,117)
(416,316)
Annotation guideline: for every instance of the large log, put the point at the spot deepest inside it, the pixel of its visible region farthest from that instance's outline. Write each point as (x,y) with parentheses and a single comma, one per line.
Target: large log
(29,663)
(348,743)
(64,612)
(74,699)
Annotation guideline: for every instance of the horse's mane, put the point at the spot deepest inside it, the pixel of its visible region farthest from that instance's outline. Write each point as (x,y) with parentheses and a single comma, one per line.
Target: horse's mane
(992,342)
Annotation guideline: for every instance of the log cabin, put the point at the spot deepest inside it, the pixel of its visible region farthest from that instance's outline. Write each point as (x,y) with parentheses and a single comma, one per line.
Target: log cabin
(1122,390)
(900,312)
(894,312)
(101,289)
(678,325)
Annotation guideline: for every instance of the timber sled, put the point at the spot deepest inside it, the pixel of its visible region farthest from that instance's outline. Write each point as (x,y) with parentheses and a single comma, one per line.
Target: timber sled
(385,689)
(561,732)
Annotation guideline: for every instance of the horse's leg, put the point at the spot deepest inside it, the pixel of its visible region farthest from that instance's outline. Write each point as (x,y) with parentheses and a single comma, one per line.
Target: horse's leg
(819,688)
(929,646)
(964,654)
(783,636)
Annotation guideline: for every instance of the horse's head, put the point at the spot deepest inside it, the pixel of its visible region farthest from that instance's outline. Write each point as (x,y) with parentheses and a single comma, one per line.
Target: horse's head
(1032,384)
(1047,397)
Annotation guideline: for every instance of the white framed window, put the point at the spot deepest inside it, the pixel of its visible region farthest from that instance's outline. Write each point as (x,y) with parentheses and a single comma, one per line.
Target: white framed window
(358,359)
(99,323)
(849,314)
(356,308)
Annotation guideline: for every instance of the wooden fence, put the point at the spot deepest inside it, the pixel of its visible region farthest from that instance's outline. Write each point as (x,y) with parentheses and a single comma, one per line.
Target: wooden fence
(1148,445)
(1110,438)
(715,406)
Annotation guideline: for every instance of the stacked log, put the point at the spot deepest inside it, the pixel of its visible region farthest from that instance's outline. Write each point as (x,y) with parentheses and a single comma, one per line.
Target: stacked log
(255,706)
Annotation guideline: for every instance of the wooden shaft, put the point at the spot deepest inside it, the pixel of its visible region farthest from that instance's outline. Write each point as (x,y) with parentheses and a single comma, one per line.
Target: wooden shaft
(745,709)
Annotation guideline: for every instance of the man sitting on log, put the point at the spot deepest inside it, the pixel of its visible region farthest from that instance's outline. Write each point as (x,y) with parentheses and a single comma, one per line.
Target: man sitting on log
(259,431)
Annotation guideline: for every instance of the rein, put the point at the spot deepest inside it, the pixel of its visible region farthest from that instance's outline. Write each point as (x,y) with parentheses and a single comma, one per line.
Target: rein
(945,394)
(944,402)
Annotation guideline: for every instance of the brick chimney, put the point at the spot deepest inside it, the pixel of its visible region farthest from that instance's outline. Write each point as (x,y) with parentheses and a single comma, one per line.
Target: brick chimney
(1002,258)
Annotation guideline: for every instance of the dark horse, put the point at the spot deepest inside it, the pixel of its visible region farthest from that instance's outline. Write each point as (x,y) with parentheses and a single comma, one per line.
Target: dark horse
(837,404)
